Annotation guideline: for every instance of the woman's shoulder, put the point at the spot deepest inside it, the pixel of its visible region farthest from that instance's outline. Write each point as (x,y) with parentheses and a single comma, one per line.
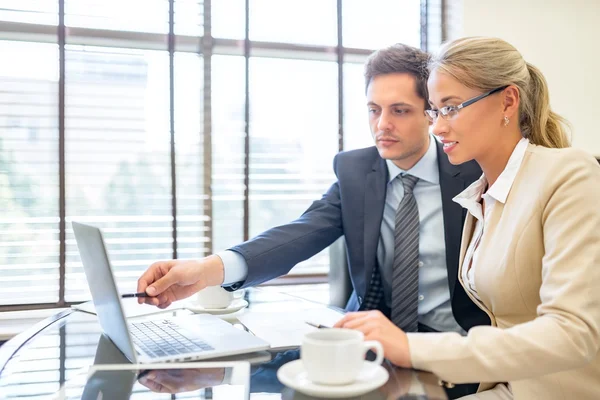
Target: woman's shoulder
(550,172)
(566,159)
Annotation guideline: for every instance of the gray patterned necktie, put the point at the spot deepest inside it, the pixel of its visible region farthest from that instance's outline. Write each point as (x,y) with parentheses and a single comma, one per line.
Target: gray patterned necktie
(405,270)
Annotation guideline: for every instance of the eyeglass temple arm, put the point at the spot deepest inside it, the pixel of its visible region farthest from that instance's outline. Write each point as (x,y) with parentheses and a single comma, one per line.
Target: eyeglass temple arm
(481,96)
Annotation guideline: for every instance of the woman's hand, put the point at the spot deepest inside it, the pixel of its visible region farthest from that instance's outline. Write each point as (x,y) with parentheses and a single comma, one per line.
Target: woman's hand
(375,326)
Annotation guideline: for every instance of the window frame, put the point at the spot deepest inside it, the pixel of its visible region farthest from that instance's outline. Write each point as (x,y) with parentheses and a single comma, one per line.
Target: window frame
(207,46)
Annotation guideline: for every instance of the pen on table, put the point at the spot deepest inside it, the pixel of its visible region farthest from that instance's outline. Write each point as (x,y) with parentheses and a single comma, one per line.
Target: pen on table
(319,326)
(140,294)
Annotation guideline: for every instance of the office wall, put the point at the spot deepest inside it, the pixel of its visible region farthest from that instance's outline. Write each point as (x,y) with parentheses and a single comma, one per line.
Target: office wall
(561,38)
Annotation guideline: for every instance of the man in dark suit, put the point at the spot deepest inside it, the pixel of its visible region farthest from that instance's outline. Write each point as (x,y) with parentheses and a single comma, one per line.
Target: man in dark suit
(367,205)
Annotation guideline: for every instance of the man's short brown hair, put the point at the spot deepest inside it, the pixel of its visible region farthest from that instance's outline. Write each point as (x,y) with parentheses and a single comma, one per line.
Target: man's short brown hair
(400,58)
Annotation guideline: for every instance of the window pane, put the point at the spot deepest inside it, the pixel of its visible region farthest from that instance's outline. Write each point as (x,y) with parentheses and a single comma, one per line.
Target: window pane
(378,23)
(189,17)
(192,230)
(229,19)
(227,154)
(29,11)
(357,133)
(298,22)
(118,158)
(228,97)
(293,131)
(434,22)
(122,15)
(29,247)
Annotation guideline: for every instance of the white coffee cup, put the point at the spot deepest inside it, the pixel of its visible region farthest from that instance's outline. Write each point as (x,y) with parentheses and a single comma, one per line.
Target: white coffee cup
(214,297)
(336,356)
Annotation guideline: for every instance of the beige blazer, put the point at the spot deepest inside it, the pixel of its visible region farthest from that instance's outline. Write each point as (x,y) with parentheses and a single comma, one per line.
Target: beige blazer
(538,277)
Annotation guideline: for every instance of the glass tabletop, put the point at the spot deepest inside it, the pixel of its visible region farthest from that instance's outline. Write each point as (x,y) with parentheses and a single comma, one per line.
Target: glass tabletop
(63,352)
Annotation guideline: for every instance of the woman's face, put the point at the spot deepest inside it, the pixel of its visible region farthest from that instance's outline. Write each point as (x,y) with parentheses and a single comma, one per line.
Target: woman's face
(474,130)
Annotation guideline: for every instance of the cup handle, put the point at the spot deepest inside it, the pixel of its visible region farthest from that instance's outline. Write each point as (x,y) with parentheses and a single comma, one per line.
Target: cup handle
(374,345)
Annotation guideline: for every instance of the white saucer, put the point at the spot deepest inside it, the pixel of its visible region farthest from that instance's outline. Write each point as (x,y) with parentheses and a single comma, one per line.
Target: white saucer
(370,378)
(235,305)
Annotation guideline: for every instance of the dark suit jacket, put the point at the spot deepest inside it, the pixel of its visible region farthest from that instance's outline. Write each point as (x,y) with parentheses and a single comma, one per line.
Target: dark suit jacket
(353,207)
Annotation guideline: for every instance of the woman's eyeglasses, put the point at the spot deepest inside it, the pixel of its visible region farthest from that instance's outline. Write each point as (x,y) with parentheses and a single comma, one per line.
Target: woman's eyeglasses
(450,112)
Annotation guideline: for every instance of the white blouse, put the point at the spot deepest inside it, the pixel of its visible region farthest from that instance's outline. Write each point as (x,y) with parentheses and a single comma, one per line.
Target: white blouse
(471,198)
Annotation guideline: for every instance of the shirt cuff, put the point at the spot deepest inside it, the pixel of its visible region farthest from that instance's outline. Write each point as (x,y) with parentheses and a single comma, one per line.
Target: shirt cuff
(235,268)
(227,376)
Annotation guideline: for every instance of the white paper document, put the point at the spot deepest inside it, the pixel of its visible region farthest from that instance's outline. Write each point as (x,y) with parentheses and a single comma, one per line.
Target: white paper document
(286,329)
(130,307)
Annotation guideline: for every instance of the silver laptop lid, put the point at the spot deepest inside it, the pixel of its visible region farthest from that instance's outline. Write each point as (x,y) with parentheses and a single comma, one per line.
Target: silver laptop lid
(103,288)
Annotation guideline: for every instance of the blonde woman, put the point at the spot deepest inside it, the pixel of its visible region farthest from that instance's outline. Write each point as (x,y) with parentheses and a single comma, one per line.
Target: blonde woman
(530,255)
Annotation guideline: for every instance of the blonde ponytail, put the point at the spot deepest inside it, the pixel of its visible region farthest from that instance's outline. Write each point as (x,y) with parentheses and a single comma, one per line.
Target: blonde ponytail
(488,63)
(538,122)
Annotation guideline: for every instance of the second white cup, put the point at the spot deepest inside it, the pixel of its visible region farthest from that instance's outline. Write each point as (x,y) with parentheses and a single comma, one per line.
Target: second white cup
(336,356)
(214,297)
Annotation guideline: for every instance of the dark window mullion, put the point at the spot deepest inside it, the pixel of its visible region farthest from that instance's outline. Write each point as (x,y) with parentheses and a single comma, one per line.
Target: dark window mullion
(340,60)
(207,50)
(62,332)
(443,10)
(61,153)
(247,126)
(171,50)
(424,10)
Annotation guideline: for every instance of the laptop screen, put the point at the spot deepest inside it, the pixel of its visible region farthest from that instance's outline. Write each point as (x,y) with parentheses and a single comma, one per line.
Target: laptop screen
(103,288)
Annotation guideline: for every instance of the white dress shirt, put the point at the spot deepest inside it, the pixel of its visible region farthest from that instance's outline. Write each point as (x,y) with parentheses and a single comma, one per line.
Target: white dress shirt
(435,309)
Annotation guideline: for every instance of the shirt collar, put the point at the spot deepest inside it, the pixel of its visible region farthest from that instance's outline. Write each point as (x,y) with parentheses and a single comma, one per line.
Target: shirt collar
(425,169)
(501,188)
(470,197)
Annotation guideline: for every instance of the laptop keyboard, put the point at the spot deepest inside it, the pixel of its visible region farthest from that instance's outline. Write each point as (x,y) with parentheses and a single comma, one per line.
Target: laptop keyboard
(162,338)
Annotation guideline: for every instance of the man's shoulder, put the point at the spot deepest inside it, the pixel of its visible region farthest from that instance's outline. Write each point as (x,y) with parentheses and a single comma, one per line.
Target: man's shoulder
(359,158)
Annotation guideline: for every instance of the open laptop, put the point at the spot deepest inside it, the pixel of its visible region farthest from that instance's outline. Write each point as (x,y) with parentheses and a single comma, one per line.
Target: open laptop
(188,338)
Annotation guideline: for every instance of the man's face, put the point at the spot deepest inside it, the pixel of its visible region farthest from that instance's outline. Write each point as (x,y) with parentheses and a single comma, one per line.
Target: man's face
(397,118)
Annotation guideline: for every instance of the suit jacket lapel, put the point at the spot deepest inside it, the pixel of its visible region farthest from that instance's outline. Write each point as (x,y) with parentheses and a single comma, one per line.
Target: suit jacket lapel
(451,184)
(375,192)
